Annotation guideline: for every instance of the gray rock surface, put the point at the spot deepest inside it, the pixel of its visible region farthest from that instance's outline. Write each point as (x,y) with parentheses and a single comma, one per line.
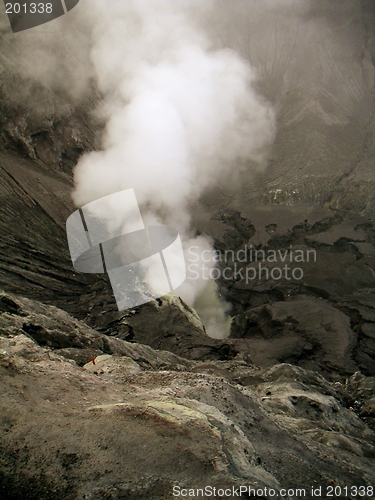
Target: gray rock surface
(134,423)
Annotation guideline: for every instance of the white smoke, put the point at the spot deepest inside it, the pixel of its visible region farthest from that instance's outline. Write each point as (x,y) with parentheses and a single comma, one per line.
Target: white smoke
(179,114)
(180,109)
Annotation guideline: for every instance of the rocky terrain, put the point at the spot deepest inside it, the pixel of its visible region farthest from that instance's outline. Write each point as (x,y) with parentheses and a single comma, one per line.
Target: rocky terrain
(88,416)
(97,403)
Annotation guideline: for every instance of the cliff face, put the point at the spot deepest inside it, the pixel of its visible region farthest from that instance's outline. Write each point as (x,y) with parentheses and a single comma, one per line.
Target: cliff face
(287,400)
(315,61)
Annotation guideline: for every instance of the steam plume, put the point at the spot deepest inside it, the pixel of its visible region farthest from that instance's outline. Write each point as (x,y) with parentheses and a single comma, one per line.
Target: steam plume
(181,113)
(178,114)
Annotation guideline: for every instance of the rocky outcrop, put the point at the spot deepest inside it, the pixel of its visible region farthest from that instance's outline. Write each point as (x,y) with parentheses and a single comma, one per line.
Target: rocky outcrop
(305,330)
(58,332)
(362,390)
